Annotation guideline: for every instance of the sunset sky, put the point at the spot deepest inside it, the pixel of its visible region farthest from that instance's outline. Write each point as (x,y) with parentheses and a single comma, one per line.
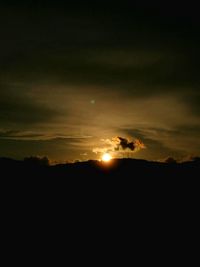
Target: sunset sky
(75,76)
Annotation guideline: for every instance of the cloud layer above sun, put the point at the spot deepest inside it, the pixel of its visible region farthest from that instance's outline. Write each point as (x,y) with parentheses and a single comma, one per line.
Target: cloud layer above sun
(71,76)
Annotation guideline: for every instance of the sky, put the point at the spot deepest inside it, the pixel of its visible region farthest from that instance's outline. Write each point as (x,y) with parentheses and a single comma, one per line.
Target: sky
(75,75)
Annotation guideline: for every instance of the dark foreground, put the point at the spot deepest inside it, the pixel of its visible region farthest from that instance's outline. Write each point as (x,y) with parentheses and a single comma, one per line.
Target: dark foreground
(128,190)
(118,168)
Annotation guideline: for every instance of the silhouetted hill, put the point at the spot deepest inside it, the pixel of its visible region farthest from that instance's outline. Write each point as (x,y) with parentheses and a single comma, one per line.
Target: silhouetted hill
(118,168)
(125,187)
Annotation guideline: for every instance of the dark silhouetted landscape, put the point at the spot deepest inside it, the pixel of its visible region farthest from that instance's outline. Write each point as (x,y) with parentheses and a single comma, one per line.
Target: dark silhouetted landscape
(117,168)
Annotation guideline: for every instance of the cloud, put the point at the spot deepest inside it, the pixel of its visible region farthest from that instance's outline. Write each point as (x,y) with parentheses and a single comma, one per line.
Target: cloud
(162,142)
(141,70)
(31,135)
(13,134)
(119,144)
(123,143)
(20,109)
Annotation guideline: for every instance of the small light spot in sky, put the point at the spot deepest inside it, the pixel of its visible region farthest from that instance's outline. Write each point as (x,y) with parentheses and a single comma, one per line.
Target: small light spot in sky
(92,101)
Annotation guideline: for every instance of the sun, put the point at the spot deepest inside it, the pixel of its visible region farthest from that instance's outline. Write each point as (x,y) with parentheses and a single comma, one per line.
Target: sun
(106,157)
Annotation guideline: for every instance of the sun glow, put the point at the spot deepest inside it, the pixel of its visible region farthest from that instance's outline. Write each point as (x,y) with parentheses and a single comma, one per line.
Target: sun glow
(106,157)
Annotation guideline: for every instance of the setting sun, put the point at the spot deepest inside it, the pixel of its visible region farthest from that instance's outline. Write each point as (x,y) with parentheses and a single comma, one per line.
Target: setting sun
(106,157)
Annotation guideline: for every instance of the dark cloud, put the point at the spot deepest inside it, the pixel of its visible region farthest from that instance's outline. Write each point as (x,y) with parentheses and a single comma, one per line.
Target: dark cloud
(67,47)
(16,108)
(164,143)
(5,134)
(125,144)
(19,134)
(26,135)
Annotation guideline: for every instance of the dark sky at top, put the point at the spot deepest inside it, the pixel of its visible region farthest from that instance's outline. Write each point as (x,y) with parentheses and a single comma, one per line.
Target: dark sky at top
(73,75)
